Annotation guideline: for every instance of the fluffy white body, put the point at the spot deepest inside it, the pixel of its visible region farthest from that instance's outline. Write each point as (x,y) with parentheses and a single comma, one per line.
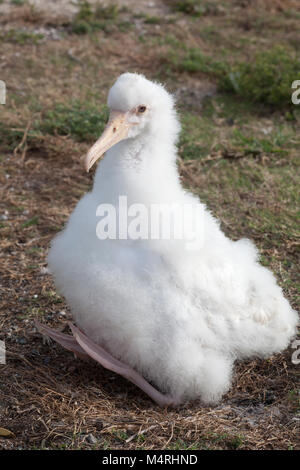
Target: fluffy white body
(180,317)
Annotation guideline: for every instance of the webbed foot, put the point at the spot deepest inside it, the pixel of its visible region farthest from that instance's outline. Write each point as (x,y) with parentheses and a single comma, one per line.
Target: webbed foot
(84,347)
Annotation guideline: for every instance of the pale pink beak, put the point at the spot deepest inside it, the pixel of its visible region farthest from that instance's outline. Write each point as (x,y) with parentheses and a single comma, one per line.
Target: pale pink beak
(116,130)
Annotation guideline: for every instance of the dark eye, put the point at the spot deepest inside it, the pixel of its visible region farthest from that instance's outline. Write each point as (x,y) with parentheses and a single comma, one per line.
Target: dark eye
(142,109)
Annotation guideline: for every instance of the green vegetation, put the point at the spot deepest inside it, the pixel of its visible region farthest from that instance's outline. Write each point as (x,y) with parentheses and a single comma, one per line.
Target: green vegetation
(119,434)
(17,2)
(196,136)
(9,136)
(235,442)
(199,137)
(83,123)
(152,19)
(189,7)
(253,145)
(265,79)
(195,61)
(21,37)
(30,222)
(89,19)
(179,444)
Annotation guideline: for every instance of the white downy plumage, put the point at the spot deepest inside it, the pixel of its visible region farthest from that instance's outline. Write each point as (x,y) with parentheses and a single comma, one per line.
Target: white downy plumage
(179,317)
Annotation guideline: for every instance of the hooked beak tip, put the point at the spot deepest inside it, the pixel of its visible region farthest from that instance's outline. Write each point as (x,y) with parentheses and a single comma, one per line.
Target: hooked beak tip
(115,131)
(86,163)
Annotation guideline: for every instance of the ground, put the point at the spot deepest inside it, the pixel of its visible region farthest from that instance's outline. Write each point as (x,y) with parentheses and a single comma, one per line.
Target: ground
(239,151)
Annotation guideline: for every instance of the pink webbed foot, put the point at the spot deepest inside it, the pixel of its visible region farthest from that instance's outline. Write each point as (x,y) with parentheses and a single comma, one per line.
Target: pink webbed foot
(67,341)
(84,347)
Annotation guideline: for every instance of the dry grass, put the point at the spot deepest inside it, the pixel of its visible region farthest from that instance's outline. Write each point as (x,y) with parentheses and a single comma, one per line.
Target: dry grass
(47,398)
